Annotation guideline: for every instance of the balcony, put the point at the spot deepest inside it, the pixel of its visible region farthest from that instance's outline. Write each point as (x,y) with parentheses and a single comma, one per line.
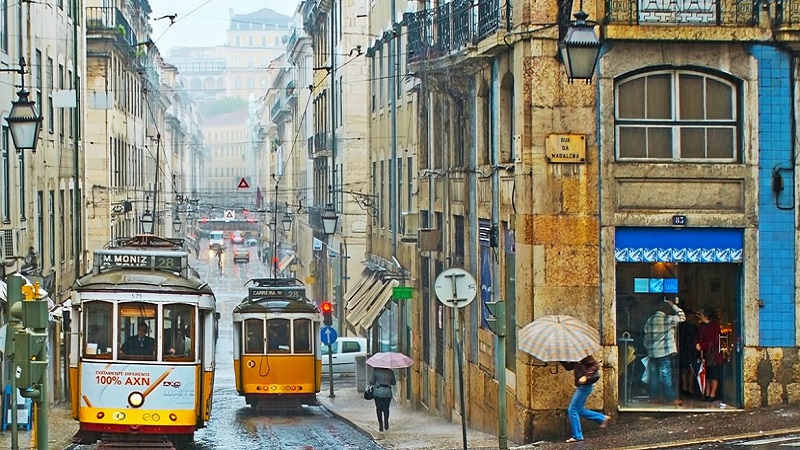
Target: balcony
(320,143)
(291,93)
(454,26)
(279,111)
(109,21)
(728,13)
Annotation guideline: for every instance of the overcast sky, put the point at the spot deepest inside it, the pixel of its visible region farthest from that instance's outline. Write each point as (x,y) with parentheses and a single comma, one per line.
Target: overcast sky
(203,22)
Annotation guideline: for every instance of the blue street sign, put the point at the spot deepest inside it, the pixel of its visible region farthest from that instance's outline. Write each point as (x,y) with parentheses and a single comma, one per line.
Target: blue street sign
(328,335)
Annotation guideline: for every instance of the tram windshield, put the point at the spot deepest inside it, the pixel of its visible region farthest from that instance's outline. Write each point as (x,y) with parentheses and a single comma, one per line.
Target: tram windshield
(178,331)
(278,336)
(137,331)
(302,336)
(98,331)
(254,336)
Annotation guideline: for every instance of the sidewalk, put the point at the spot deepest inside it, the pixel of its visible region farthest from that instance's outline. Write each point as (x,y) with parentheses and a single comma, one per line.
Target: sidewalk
(409,429)
(60,429)
(412,429)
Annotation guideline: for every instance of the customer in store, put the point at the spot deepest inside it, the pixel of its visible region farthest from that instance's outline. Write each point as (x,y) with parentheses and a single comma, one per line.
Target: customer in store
(707,343)
(687,354)
(659,339)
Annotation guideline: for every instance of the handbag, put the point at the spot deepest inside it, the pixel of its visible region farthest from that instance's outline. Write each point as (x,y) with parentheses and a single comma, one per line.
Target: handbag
(368,393)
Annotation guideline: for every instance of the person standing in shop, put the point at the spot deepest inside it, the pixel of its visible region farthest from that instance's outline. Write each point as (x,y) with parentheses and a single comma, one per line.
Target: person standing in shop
(659,338)
(707,343)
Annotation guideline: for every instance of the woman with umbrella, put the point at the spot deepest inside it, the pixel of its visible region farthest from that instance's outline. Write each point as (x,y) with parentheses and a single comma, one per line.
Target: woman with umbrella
(382,380)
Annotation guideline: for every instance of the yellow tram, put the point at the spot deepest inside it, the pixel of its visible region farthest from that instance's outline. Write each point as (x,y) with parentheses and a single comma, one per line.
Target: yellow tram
(143,336)
(276,346)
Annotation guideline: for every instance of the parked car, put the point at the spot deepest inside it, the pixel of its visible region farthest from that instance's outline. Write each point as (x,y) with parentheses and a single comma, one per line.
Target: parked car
(344,351)
(251,242)
(241,255)
(216,239)
(237,237)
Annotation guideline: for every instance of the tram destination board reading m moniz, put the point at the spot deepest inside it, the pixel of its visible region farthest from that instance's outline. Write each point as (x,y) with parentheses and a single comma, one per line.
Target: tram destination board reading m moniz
(141,261)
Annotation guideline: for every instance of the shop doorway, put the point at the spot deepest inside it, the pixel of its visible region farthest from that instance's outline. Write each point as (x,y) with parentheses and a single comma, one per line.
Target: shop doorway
(644,288)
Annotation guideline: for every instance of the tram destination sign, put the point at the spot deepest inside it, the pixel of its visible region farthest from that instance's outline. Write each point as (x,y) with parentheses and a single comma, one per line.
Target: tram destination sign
(293,293)
(141,261)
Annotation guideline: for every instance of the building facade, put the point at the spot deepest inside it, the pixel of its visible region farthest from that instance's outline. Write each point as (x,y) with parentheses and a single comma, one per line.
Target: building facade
(41,189)
(668,177)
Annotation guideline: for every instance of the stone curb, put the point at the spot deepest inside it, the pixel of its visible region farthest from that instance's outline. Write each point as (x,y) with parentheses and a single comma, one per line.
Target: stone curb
(708,440)
(343,418)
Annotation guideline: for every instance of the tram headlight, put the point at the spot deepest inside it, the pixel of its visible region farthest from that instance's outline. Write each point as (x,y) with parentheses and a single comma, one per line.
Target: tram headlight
(136,399)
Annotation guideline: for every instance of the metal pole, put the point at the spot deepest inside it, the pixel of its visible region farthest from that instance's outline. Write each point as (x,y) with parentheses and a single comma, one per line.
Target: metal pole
(459,357)
(275,232)
(41,414)
(15,313)
(340,293)
(76,156)
(330,371)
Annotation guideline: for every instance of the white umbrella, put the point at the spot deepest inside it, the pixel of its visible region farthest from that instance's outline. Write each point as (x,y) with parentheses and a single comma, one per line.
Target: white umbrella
(558,338)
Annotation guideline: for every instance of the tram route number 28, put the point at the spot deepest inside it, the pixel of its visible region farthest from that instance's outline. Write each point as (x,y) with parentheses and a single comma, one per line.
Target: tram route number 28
(142,261)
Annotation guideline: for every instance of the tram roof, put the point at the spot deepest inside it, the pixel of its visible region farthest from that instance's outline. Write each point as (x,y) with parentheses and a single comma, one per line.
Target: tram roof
(275,305)
(138,279)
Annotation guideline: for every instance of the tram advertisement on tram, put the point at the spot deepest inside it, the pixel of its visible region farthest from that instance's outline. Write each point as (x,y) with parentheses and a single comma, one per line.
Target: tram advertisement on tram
(161,387)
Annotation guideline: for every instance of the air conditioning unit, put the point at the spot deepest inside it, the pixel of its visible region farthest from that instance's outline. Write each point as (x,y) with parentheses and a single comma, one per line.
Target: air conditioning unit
(410,227)
(8,244)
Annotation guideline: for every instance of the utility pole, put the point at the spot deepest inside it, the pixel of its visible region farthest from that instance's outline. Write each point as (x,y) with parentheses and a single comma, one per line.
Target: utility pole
(76,164)
(14,284)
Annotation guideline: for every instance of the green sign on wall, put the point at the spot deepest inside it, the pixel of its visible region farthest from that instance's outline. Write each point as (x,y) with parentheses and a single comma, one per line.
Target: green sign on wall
(402,293)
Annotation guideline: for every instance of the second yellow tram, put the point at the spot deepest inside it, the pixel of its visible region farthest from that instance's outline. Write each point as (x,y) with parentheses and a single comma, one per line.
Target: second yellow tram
(276,345)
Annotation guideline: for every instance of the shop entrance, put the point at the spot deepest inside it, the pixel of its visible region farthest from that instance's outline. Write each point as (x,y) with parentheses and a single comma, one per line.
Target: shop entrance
(644,288)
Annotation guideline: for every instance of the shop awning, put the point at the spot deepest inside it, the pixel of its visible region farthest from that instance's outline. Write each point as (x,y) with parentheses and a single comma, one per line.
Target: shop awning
(368,307)
(356,288)
(286,261)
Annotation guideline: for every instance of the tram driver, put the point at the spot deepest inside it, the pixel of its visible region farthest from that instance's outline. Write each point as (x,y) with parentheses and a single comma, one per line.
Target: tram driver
(140,344)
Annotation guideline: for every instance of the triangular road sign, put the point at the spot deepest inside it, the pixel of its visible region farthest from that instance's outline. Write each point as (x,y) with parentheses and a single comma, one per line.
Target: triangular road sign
(243,184)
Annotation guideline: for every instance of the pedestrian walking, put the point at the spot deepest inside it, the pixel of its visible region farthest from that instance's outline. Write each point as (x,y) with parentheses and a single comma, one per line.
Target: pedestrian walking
(382,381)
(587,373)
(659,338)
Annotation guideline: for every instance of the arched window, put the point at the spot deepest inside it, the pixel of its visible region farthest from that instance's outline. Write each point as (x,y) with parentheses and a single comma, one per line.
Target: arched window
(677,115)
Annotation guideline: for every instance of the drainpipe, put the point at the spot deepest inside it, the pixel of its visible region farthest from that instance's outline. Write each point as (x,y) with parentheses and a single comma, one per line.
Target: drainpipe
(394,200)
(501,338)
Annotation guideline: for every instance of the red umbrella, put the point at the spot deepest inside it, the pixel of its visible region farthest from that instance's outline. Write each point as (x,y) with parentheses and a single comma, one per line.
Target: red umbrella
(389,360)
(699,369)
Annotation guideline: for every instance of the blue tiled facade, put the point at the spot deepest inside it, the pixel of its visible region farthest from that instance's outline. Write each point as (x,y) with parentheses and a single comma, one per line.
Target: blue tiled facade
(776,257)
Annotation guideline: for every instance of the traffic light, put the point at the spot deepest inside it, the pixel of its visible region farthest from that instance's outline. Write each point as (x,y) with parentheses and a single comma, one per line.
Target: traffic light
(327,313)
(31,356)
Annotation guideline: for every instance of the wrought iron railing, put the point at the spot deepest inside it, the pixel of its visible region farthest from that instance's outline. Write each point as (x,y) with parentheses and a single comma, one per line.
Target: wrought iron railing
(683,12)
(320,142)
(452,26)
(276,108)
(106,18)
(787,13)
(311,147)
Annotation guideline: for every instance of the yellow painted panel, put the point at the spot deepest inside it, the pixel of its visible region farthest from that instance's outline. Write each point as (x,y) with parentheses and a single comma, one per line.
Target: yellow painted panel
(236,375)
(154,417)
(276,374)
(208,391)
(74,388)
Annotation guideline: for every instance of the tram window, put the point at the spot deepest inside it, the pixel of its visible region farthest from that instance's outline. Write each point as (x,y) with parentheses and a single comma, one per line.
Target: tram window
(278,336)
(98,341)
(302,336)
(137,331)
(178,330)
(254,336)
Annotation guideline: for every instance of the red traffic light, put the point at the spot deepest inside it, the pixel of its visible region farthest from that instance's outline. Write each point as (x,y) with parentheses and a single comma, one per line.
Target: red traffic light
(326,307)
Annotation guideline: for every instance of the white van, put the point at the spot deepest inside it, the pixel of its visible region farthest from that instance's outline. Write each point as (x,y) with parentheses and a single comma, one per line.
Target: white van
(216,239)
(344,350)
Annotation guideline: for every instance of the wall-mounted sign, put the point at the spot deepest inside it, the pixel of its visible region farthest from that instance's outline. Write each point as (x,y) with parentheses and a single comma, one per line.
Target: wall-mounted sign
(566,148)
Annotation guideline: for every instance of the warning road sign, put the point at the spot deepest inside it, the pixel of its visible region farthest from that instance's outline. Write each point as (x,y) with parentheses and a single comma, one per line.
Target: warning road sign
(243,184)
(229,214)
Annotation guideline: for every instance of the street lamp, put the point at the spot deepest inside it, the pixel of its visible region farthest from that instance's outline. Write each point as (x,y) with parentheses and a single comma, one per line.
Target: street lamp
(286,222)
(176,224)
(24,121)
(329,220)
(147,222)
(580,48)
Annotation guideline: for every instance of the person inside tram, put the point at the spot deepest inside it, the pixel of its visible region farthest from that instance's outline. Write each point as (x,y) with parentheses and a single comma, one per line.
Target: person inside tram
(182,344)
(139,344)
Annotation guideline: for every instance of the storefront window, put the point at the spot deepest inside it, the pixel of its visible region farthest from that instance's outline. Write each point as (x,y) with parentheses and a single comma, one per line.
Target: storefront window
(99,317)
(278,336)
(137,331)
(302,336)
(178,331)
(665,310)
(254,336)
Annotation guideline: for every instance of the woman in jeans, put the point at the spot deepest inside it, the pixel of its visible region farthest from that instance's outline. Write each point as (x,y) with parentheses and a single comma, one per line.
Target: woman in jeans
(382,381)
(586,374)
